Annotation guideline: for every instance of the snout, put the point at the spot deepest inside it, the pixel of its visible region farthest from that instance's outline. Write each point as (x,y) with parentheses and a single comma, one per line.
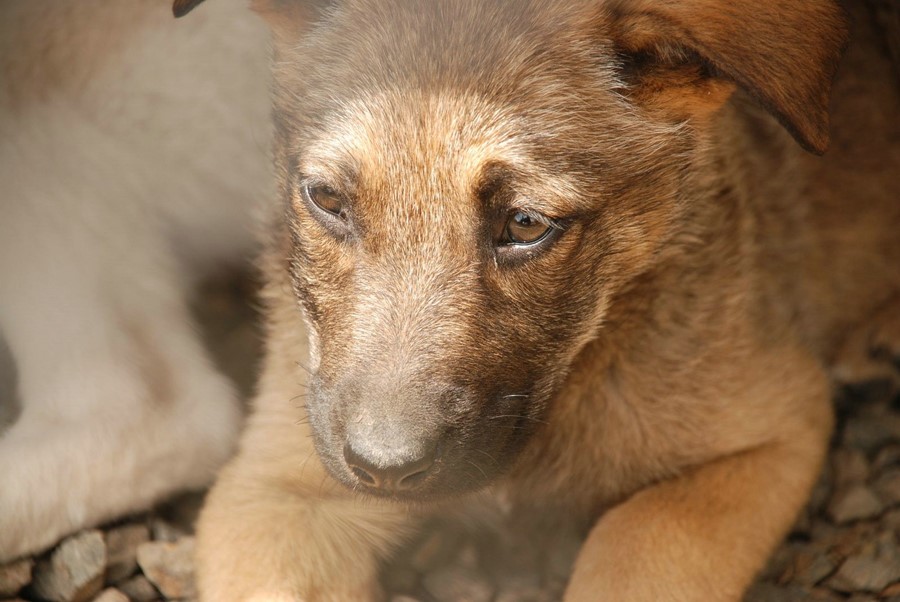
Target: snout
(414,439)
(401,473)
(389,457)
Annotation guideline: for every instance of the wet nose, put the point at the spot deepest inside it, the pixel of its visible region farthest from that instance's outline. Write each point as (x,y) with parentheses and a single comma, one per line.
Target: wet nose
(395,474)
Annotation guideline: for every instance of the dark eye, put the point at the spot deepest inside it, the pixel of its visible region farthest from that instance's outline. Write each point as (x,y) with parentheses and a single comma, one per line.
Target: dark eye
(523,229)
(325,198)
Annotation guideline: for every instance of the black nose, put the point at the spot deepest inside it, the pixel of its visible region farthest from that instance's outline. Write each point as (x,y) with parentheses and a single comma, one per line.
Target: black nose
(395,475)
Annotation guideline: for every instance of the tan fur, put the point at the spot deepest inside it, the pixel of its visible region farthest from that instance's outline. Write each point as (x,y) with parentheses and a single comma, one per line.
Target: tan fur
(674,347)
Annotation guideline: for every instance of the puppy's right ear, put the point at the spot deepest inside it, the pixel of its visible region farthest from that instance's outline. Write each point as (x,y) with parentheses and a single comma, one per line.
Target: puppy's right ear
(686,54)
(287,18)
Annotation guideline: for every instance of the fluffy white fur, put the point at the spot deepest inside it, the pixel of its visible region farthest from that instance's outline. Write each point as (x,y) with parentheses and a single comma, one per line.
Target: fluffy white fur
(133,154)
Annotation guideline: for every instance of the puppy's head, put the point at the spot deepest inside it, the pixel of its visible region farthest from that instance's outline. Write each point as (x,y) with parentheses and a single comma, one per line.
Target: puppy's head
(468,185)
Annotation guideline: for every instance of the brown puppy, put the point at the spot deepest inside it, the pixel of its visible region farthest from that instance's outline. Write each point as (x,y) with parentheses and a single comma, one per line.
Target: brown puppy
(562,251)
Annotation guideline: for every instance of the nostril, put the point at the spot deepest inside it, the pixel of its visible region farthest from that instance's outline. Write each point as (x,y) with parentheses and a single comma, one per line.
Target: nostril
(403,474)
(362,475)
(414,480)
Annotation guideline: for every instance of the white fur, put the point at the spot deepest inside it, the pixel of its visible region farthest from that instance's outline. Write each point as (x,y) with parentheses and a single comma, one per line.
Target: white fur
(115,193)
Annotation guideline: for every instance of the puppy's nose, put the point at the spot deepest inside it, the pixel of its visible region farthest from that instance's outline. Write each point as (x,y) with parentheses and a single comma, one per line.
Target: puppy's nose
(397,474)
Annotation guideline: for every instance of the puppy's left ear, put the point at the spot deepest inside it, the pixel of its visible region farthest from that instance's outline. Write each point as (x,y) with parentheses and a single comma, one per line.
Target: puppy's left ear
(287,18)
(783,52)
(182,7)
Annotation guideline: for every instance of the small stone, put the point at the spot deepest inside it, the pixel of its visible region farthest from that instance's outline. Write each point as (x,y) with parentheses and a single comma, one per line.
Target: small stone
(848,467)
(809,568)
(890,591)
(850,540)
(74,570)
(169,566)
(524,594)
(872,431)
(454,583)
(14,576)
(872,569)
(780,562)
(887,457)
(891,520)
(887,486)
(163,530)
(768,592)
(821,594)
(853,503)
(111,594)
(121,545)
(139,589)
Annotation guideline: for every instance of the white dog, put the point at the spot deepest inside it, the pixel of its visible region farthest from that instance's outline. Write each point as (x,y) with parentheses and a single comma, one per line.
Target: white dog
(130,162)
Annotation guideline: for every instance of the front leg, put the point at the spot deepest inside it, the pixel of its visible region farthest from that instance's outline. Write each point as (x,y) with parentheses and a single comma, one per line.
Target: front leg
(704,535)
(276,527)
(275,540)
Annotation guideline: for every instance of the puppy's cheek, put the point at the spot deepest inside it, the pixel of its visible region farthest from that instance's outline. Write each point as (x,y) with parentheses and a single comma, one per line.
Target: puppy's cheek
(326,432)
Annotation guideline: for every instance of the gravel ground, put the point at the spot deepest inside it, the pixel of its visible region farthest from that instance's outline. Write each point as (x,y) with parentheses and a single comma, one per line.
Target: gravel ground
(843,547)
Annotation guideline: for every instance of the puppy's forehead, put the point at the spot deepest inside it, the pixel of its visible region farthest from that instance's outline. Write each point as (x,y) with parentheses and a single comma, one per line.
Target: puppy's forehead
(423,138)
(427,95)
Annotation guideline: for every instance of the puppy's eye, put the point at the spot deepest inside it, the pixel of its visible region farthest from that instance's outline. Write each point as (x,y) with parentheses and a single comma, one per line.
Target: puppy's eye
(523,229)
(325,198)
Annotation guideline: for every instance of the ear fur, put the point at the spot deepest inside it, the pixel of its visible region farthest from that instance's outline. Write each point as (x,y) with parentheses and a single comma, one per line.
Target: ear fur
(287,18)
(182,7)
(783,52)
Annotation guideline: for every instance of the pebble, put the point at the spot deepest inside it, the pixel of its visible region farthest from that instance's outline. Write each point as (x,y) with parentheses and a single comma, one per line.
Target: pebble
(854,503)
(139,589)
(74,571)
(872,569)
(769,592)
(849,467)
(809,567)
(169,566)
(868,432)
(14,576)
(525,594)
(121,545)
(453,583)
(111,594)
(887,486)
(163,530)
(888,456)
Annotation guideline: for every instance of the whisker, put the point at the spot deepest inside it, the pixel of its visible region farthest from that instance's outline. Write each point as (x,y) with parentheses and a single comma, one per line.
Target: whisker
(484,453)
(484,474)
(517,416)
(305,368)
